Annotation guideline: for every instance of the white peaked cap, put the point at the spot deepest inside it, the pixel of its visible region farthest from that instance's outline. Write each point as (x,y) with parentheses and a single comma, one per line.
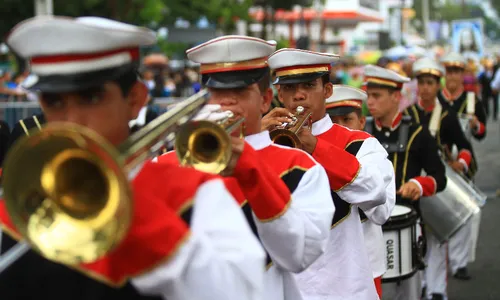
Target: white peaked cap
(231,53)
(427,65)
(454,59)
(385,77)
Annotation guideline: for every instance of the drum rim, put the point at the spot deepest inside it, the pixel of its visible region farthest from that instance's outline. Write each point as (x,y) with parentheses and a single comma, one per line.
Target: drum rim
(405,206)
(401,221)
(400,278)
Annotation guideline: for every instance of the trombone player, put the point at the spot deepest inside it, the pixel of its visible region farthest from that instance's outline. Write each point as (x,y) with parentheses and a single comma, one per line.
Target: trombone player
(181,244)
(358,171)
(284,192)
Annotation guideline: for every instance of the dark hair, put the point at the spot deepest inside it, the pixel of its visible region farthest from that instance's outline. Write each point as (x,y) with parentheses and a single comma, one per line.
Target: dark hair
(359,112)
(325,78)
(264,83)
(127,81)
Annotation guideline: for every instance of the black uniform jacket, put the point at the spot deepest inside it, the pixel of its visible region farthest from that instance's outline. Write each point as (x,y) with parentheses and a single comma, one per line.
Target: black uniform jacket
(459,105)
(4,140)
(449,133)
(411,149)
(24,126)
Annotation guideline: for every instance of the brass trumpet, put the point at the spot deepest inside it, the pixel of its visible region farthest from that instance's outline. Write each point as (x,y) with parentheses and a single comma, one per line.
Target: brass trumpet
(67,188)
(206,145)
(286,134)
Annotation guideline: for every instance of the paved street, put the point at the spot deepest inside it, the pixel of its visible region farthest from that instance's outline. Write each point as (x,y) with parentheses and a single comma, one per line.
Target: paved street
(486,269)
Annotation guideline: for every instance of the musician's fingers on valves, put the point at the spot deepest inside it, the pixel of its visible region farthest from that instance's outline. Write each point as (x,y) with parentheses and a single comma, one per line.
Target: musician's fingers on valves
(276,117)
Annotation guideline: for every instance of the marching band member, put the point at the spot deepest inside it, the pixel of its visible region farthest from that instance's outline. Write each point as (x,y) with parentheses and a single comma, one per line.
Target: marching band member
(357,168)
(454,95)
(345,108)
(284,193)
(445,128)
(463,102)
(188,239)
(411,149)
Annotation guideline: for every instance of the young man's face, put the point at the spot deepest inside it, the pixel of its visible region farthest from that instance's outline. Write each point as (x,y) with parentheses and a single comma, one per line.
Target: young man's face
(310,95)
(353,120)
(428,87)
(454,77)
(382,101)
(103,109)
(248,102)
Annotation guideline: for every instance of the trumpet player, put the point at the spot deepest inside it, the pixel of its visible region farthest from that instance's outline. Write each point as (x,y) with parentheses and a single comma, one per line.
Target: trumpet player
(283,191)
(187,239)
(411,149)
(357,168)
(345,108)
(456,98)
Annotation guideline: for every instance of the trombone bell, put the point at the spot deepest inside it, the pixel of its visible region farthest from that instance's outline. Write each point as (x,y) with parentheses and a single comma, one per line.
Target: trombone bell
(206,145)
(286,134)
(67,198)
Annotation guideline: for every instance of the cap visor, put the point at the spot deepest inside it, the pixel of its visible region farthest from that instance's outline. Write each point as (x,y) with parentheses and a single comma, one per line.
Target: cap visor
(77,82)
(235,79)
(293,79)
(340,111)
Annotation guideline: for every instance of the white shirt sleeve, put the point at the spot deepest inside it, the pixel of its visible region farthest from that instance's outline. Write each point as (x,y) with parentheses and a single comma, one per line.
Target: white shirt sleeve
(221,260)
(495,83)
(369,188)
(381,213)
(299,236)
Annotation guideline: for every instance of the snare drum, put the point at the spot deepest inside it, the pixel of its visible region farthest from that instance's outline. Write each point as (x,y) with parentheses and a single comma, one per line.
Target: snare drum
(400,235)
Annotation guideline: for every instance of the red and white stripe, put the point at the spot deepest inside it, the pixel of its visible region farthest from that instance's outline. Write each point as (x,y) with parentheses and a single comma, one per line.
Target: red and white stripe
(82,63)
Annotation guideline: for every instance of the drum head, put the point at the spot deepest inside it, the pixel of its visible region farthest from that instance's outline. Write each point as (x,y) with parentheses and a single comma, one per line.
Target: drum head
(400,210)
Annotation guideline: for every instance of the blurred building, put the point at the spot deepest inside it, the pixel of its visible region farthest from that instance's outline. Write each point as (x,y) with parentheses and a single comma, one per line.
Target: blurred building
(332,27)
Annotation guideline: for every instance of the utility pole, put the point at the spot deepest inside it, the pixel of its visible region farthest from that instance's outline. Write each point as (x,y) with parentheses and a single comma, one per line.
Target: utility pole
(44,7)
(425,17)
(402,21)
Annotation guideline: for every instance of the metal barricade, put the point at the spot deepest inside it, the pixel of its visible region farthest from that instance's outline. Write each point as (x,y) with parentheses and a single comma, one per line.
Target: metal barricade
(12,112)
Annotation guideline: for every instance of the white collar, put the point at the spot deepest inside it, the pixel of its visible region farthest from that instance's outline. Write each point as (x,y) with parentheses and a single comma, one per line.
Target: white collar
(259,140)
(322,126)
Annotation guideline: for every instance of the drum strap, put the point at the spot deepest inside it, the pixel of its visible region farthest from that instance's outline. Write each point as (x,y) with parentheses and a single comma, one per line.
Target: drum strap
(471,103)
(435,118)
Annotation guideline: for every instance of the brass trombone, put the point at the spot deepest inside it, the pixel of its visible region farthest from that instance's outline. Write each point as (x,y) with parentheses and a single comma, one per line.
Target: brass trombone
(206,145)
(67,188)
(286,134)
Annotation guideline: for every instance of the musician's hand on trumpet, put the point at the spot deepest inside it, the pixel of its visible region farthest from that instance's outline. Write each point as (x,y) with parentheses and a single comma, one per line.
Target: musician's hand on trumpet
(308,140)
(237,146)
(212,113)
(276,117)
(410,190)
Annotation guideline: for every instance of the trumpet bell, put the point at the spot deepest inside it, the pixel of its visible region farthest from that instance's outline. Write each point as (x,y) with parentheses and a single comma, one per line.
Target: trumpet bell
(204,145)
(66,193)
(286,134)
(285,137)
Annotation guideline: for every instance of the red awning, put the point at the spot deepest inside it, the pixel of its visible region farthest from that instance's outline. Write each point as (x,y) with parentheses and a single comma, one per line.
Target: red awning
(311,14)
